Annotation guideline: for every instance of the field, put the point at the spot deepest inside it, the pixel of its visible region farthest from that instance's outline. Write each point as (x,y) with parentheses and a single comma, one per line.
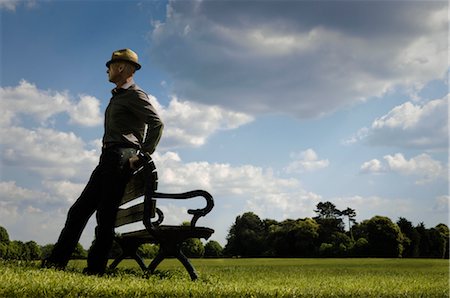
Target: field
(238,278)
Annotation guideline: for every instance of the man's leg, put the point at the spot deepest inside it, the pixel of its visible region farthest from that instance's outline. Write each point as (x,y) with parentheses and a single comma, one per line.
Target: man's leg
(77,218)
(104,232)
(115,176)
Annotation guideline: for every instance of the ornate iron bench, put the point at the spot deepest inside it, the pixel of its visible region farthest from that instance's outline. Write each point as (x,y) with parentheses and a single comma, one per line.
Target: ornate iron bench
(144,182)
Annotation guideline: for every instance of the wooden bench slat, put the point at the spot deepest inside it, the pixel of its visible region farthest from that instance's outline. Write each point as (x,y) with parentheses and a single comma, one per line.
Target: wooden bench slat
(130,215)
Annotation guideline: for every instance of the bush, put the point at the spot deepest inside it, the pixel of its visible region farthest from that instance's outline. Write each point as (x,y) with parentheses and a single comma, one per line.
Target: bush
(213,249)
(193,248)
(148,251)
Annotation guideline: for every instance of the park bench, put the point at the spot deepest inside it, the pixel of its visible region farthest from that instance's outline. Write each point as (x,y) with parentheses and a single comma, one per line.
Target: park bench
(144,183)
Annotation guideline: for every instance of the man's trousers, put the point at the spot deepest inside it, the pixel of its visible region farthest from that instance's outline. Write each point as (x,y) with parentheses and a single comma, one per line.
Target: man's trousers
(102,193)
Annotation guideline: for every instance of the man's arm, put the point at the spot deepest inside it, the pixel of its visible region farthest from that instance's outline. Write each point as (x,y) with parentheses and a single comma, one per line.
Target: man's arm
(145,111)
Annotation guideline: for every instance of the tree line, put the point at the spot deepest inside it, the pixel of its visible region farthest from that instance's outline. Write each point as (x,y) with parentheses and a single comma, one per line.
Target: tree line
(325,236)
(27,251)
(321,236)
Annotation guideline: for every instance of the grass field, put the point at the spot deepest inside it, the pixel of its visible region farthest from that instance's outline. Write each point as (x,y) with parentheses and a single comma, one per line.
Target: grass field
(238,278)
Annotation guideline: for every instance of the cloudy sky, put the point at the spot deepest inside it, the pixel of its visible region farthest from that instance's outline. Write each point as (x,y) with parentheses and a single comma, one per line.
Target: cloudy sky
(272,106)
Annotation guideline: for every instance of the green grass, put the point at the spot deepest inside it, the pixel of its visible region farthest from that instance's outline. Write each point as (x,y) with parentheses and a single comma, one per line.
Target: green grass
(238,278)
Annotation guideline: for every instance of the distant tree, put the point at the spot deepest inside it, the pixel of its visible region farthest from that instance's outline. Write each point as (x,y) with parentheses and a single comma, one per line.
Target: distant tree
(384,237)
(16,250)
(328,227)
(433,243)
(293,238)
(327,210)
(425,241)
(79,252)
(342,244)
(148,251)
(444,230)
(411,240)
(213,249)
(46,250)
(193,248)
(3,251)
(350,214)
(33,250)
(437,244)
(328,218)
(246,237)
(4,237)
(360,248)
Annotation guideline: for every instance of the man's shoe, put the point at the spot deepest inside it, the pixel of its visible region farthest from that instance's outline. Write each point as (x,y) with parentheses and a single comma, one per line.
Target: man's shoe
(48,264)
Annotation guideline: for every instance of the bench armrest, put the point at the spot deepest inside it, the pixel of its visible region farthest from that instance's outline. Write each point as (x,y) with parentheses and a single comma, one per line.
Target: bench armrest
(197,213)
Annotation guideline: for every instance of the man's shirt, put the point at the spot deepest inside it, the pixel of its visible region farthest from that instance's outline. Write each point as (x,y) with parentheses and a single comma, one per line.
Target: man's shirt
(126,117)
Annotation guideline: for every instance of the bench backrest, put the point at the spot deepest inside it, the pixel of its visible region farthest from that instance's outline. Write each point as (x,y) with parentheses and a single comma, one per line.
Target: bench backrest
(143,180)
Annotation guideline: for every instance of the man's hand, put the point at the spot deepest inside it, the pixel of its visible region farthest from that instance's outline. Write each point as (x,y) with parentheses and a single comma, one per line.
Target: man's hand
(134,162)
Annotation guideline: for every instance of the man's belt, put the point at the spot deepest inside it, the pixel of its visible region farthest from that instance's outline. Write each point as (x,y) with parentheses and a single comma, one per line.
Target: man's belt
(111,146)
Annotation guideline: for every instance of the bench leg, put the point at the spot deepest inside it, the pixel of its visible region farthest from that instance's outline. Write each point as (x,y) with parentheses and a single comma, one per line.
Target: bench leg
(187,264)
(129,250)
(117,261)
(140,261)
(156,261)
(175,251)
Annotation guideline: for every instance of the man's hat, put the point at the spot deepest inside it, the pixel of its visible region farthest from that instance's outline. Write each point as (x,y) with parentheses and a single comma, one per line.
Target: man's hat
(125,55)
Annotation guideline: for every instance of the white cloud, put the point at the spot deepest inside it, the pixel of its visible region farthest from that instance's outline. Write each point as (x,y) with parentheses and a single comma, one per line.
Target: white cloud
(306,161)
(11,5)
(10,192)
(86,112)
(422,166)
(409,125)
(442,204)
(296,57)
(27,99)
(48,152)
(372,166)
(190,124)
(259,188)
(64,190)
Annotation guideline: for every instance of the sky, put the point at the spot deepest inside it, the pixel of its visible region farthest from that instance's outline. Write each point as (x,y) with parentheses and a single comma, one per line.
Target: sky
(271,106)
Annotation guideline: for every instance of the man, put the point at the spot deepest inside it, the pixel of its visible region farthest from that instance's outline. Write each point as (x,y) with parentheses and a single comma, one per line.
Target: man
(127,117)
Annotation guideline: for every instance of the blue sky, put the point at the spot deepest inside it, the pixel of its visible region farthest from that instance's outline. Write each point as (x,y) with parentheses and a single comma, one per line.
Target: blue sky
(272,106)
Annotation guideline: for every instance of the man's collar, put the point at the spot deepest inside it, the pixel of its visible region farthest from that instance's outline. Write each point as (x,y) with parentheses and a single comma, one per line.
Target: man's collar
(123,87)
(127,85)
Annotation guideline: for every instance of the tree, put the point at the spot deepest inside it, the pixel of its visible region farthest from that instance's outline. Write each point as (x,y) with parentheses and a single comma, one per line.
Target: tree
(3,251)
(148,250)
(351,214)
(425,241)
(46,250)
(327,210)
(213,249)
(360,248)
(193,248)
(33,250)
(444,230)
(246,236)
(291,238)
(341,245)
(79,252)
(437,243)
(328,218)
(4,237)
(384,237)
(411,239)
(15,250)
